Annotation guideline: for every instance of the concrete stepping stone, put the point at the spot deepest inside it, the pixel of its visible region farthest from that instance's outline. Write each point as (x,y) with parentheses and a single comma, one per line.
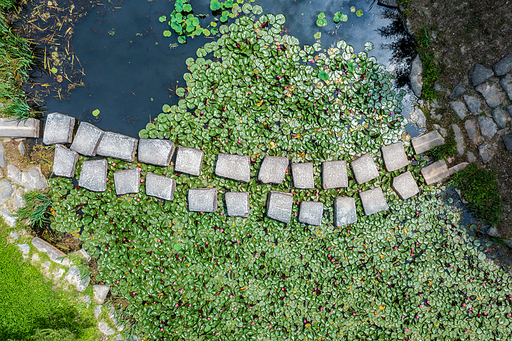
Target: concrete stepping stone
(189,161)
(457,91)
(6,191)
(52,252)
(416,76)
(58,129)
(235,167)
(334,174)
(487,151)
(117,146)
(364,169)
(492,92)
(160,186)
(155,152)
(507,139)
(237,204)
(405,186)
(472,130)
(14,128)
(64,161)
(33,180)
(311,212)
(345,212)
(74,278)
(460,109)
(479,74)
(394,156)
(435,172)
(501,117)
(93,175)
(503,67)
(506,84)
(100,293)
(487,127)
(303,175)
(202,200)
(86,140)
(373,201)
(426,142)
(279,206)
(127,181)
(273,169)
(474,104)
(459,139)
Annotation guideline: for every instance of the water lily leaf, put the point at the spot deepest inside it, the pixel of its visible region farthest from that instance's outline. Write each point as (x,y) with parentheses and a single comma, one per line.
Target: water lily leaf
(321,15)
(177,247)
(318,35)
(182,39)
(228,4)
(166,108)
(206,32)
(95,112)
(280,19)
(359,13)
(180,92)
(215,5)
(257,9)
(167,33)
(187,8)
(323,75)
(247,8)
(368,46)
(321,22)
(352,9)
(163,18)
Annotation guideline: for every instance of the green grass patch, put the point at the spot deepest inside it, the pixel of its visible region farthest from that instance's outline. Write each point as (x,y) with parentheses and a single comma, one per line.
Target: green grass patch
(444,151)
(431,70)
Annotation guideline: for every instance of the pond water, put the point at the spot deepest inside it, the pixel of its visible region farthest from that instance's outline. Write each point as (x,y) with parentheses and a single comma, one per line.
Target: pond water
(131,69)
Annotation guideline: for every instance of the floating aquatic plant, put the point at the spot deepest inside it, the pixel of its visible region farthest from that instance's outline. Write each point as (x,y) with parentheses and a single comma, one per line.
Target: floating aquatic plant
(338,16)
(321,21)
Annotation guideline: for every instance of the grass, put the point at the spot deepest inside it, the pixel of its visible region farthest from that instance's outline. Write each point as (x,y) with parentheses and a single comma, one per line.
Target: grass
(444,151)
(35,210)
(431,69)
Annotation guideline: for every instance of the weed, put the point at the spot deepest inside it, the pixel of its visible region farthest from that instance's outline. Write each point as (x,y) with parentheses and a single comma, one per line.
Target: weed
(449,148)
(36,209)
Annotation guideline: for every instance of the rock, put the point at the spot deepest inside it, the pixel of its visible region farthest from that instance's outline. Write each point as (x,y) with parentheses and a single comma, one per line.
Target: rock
(460,109)
(364,169)
(311,212)
(509,109)
(303,175)
(334,174)
(18,200)
(405,185)
(474,104)
(487,127)
(87,139)
(435,172)
(458,168)
(97,311)
(8,217)
(21,148)
(112,316)
(394,156)
(493,232)
(34,180)
(160,186)
(155,152)
(273,169)
(441,130)
(29,127)
(501,117)
(189,161)
(472,130)
(94,175)
(479,74)
(471,156)
(507,139)
(100,293)
(55,254)
(344,211)
(388,3)
(459,138)
(58,129)
(237,204)
(373,201)
(3,159)
(105,329)
(492,93)
(434,116)
(6,191)
(504,66)
(25,249)
(64,161)
(74,278)
(417,118)
(127,181)
(84,254)
(506,84)
(457,91)
(14,174)
(117,146)
(235,167)
(426,142)
(487,151)
(202,200)
(14,235)
(416,76)
(279,206)
(504,131)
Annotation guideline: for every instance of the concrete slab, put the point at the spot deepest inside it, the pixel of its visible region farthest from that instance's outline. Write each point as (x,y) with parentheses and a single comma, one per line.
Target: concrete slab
(426,142)
(373,201)
(58,129)
(435,172)
(235,167)
(303,175)
(189,161)
(55,254)
(405,186)
(15,128)
(334,174)
(237,204)
(344,211)
(160,186)
(155,152)
(273,169)
(64,161)
(394,156)
(127,181)
(279,206)
(311,212)
(93,175)
(87,139)
(364,169)
(202,200)
(117,146)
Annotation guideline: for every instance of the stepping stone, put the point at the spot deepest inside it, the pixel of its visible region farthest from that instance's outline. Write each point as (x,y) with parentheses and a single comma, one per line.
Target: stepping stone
(160,186)
(492,93)
(14,128)
(426,142)
(373,201)
(507,139)
(64,161)
(344,211)
(487,127)
(117,146)
(457,91)
(417,117)
(6,191)
(10,219)
(237,204)
(479,74)
(435,172)
(311,212)
(458,168)
(471,156)
(74,278)
(364,169)
(472,130)
(127,181)
(394,156)
(105,329)
(459,138)
(405,185)
(273,169)
(100,293)
(202,200)
(474,104)
(155,152)
(189,161)
(416,76)
(87,139)
(14,174)
(279,206)
(94,175)
(506,84)
(460,109)
(58,129)
(235,167)
(33,180)
(501,117)
(52,252)
(25,249)
(503,67)
(487,151)
(303,175)
(334,174)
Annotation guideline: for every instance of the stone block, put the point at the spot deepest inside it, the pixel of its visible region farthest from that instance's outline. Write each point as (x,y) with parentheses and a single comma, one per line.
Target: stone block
(507,139)
(394,156)
(303,175)
(279,206)
(100,293)
(237,204)
(105,329)
(479,74)
(506,84)
(487,151)
(474,104)
(117,146)
(405,185)
(364,169)
(460,109)
(127,181)
(273,169)
(52,252)
(160,186)
(74,278)
(189,161)
(487,127)
(311,212)
(3,159)
(155,152)
(472,130)
(457,91)
(344,211)
(34,180)
(235,167)
(416,76)
(9,218)
(426,142)
(58,129)
(501,117)
(492,93)
(202,200)
(25,249)
(334,174)
(459,139)
(435,172)
(458,167)
(373,201)
(64,161)
(6,191)
(94,175)
(13,174)
(503,67)
(86,140)
(14,128)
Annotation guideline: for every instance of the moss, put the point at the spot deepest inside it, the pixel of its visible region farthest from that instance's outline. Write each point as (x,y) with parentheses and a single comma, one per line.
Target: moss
(431,70)
(444,151)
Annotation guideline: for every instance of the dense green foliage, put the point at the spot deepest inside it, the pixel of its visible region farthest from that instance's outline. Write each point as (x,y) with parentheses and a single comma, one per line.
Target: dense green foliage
(444,151)
(36,208)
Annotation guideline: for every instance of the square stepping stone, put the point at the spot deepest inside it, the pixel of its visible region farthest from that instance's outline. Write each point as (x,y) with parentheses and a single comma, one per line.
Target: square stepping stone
(373,201)
(189,161)
(58,129)
(155,152)
(237,204)
(273,169)
(364,169)
(279,206)
(435,172)
(334,174)
(127,181)
(160,186)
(394,156)
(93,175)
(87,139)
(405,185)
(303,175)
(202,200)
(236,167)
(311,212)
(64,161)
(427,141)
(344,211)
(117,146)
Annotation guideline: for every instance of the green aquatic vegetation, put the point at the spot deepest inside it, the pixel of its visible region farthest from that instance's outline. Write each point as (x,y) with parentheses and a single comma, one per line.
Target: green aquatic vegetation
(321,21)
(338,16)
(318,35)
(182,21)
(359,13)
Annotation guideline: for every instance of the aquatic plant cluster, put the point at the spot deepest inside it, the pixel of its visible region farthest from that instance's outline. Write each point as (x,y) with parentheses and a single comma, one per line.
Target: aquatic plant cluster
(408,273)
